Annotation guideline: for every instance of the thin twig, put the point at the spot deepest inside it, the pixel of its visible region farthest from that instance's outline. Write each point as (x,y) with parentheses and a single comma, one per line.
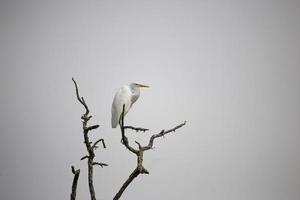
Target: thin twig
(137,129)
(100,164)
(92,127)
(81,100)
(84,157)
(100,140)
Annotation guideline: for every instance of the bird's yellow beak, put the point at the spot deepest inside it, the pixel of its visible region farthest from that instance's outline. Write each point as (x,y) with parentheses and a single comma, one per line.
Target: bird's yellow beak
(140,85)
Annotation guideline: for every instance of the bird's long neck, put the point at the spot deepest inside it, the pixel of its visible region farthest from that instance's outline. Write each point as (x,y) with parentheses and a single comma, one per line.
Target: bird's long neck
(135,95)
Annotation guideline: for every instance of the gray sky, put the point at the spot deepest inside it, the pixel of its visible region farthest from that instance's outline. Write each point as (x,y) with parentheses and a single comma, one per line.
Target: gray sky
(230,68)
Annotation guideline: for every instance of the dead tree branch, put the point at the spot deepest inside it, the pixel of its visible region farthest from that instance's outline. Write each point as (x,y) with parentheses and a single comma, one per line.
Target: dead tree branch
(95,144)
(137,129)
(75,181)
(138,152)
(100,164)
(89,145)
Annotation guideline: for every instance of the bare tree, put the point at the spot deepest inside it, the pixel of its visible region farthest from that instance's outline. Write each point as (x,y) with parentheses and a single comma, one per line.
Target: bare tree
(90,147)
(140,169)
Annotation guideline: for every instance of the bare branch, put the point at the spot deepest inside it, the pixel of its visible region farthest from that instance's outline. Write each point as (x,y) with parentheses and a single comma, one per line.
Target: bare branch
(100,164)
(91,127)
(81,100)
(138,144)
(100,140)
(74,184)
(137,129)
(161,134)
(84,157)
(124,138)
(132,176)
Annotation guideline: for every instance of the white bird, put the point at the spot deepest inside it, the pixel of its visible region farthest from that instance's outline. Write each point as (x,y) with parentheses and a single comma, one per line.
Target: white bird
(127,94)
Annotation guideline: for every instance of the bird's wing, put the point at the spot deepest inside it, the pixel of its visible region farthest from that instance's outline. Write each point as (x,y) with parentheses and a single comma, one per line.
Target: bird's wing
(123,96)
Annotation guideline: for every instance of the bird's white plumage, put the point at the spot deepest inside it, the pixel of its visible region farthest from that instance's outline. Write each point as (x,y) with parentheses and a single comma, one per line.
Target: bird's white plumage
(123,96)
(126,95)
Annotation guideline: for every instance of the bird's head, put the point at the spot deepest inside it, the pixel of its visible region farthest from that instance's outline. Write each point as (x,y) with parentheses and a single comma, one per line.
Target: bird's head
(135,89)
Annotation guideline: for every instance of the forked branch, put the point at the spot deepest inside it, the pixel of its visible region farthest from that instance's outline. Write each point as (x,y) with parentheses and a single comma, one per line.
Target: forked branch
(138,152)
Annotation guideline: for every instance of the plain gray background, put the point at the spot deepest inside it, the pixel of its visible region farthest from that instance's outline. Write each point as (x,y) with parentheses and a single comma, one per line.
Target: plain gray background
(230,68)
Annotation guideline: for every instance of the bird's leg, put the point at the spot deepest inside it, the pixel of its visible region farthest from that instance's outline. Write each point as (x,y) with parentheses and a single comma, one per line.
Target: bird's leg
(120,121)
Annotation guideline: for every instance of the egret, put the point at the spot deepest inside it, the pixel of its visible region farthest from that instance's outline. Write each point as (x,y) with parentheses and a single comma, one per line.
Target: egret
(126,95)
